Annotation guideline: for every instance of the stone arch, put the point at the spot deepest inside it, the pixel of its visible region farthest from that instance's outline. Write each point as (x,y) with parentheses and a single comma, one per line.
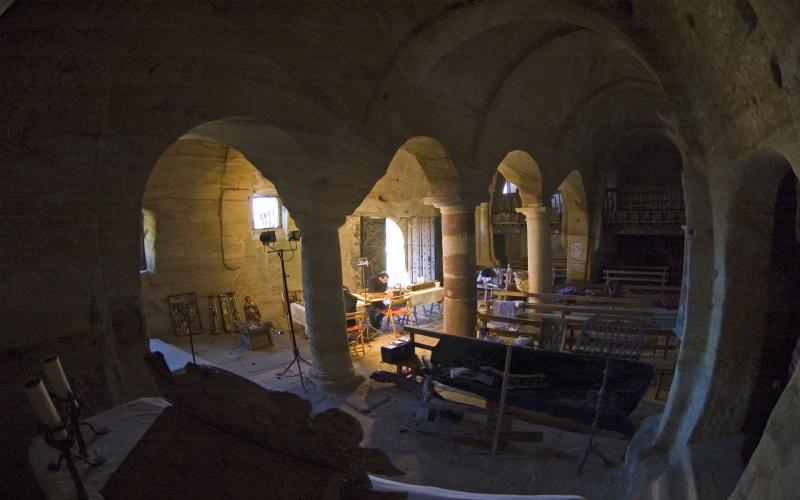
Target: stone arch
(451,29)
(724,320)
(521,169)
(575,226)
(318,199)
(743,203)
(200,193)
(419,170)
(436,165)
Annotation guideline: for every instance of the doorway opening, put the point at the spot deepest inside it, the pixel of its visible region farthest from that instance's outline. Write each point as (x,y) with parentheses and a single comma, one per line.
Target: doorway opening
(396,255)
(781,339)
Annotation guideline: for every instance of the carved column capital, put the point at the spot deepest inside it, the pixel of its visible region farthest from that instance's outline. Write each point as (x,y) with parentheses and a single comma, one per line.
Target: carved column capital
(449,204)
(308,222)
(532,211)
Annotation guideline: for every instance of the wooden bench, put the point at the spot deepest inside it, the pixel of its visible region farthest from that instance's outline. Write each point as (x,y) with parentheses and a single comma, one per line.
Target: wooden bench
(658,277)
(559,270)
(656,340)
(554,298)
(655,291)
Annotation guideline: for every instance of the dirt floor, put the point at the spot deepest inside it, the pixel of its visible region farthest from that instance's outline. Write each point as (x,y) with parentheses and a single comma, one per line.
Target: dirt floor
(386,413)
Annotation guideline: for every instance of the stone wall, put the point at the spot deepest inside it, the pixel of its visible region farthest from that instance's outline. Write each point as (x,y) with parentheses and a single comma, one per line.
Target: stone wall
(199,193)
(772,470)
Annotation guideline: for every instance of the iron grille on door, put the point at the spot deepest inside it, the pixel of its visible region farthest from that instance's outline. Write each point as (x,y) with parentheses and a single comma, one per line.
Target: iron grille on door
(422,248)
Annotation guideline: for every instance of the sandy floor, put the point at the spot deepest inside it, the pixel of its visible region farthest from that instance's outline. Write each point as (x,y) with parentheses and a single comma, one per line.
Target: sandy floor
(527,468)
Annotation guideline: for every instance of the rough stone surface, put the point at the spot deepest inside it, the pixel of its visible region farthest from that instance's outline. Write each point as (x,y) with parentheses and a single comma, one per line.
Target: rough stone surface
(772,470)
(320,98)
(199,194)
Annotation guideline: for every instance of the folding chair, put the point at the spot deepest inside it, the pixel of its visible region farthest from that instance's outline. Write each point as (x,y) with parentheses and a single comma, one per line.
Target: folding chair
(398,312)
(607,337)
(355,332)
(551,335)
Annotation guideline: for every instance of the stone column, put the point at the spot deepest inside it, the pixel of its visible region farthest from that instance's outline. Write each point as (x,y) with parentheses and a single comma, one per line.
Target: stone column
(483,236)
(540,261)
(322,292)
(458,259)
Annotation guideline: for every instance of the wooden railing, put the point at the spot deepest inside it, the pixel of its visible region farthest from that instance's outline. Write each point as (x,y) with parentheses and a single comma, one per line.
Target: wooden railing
(644,207)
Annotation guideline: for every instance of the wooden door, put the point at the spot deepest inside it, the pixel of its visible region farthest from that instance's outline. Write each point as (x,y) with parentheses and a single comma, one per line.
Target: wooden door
(421,250)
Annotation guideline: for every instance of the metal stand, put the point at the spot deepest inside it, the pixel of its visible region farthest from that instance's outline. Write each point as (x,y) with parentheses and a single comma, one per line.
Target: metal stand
(71,408)
(363,264)
(191,343)
(64,446)
(297,357)
(590,446)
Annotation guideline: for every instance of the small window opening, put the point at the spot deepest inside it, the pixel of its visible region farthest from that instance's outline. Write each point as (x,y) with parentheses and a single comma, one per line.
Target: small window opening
(509,188)
(557,202)
(266,212)
(147,243)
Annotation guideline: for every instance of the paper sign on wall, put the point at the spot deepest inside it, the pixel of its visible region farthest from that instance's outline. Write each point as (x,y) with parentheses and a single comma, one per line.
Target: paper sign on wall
(576,250)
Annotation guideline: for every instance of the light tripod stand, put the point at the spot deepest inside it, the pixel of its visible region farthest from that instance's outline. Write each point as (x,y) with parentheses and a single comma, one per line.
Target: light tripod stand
(268,239)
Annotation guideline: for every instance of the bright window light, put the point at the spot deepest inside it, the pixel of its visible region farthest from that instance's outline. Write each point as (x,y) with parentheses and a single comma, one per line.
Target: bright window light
(396,255)
(509,188)
(266,212)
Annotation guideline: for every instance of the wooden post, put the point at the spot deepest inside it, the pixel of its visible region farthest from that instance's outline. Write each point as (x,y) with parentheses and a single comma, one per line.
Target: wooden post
(502,405)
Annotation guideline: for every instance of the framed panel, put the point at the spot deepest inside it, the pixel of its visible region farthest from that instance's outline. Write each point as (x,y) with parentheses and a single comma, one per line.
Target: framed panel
(184,314)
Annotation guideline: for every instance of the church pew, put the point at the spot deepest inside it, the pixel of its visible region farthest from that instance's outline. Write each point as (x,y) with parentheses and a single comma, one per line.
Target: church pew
(655,339)
(578,299)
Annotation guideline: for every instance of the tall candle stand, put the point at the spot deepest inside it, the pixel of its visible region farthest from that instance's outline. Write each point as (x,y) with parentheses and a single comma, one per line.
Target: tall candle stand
(64,446)
(56,434)
(68,402)
(71,408)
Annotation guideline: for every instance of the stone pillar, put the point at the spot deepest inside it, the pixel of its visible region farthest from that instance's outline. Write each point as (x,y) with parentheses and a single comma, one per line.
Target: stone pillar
(322,292)
(483,235)
(540,262)
(458,259)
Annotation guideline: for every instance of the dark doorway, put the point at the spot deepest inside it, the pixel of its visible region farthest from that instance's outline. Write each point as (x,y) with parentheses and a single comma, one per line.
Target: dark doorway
(783,325)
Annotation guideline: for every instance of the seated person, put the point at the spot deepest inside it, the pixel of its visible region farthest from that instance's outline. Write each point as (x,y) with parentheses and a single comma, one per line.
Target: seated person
(350,303)
(378,308)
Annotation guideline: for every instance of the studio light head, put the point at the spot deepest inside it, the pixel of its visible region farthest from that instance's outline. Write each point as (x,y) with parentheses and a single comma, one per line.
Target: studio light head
(268,237)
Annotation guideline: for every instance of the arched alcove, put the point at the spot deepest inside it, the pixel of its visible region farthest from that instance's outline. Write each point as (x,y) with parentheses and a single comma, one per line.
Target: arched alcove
(517,183)
(201,195)
(643,207)
(419,169)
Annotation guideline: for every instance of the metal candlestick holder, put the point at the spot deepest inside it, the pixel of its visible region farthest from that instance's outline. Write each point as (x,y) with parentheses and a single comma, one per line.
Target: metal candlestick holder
(64,446)
(70,409)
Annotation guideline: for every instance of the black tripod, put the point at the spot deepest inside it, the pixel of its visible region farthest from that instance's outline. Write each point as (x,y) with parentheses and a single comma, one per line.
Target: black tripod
(590,447)
(297,357)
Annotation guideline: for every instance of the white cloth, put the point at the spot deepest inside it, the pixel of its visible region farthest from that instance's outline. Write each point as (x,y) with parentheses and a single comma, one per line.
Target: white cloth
(176,358)
(416,492)
(427,296)
(298,313)
(506,309)
(126,425)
